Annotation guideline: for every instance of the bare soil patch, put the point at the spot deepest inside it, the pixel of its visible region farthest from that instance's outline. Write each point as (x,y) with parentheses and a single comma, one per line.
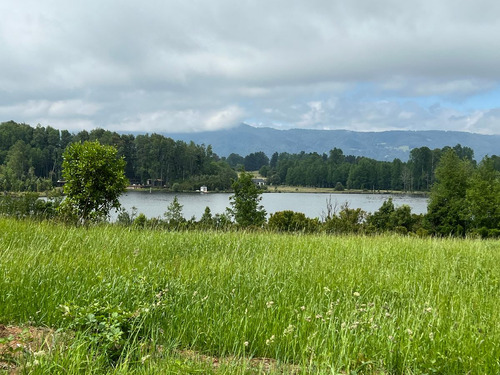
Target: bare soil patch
(16,342)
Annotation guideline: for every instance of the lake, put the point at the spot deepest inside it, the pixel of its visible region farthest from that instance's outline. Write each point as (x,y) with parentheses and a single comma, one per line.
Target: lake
(154,204)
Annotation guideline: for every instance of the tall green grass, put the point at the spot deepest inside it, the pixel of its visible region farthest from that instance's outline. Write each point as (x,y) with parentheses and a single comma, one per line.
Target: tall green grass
(324,304)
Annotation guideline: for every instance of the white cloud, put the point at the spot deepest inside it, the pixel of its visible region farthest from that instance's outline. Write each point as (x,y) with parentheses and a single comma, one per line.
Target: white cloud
(182,121)
(224,118)
(182,65)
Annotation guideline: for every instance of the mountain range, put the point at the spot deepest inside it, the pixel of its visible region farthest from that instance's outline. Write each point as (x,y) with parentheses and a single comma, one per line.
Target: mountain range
(388,145)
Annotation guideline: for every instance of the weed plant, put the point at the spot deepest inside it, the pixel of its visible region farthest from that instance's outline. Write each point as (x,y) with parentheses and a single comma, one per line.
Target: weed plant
(313,303)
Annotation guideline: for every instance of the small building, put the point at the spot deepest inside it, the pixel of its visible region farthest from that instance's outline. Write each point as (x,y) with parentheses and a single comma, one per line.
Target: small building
(154,183)
(259,181)
(203,189)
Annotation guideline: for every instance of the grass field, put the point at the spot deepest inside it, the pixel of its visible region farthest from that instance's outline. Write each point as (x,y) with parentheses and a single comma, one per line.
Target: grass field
(237,303)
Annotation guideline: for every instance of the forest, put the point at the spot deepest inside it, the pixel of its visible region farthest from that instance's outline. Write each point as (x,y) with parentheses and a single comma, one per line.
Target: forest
(31,160)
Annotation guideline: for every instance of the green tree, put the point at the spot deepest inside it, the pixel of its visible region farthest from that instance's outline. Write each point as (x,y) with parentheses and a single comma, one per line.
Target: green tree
(447,210)
(255,160)
(95,180)
(382,219)
(174,212)
(235,160)
(483,196)
(245,202)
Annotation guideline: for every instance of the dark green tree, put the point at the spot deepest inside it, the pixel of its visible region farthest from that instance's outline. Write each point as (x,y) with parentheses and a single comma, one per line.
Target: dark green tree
(245,202)
(174,212)
(95,180)
(382,219)
(235,160)
(483,196)
(447,210)
(255,160)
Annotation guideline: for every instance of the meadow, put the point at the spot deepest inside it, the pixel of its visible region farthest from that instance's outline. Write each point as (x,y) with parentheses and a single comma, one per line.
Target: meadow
(124,300)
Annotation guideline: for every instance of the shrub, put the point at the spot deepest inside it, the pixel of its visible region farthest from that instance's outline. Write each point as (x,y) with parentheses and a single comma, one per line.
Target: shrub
(108,328)
(290,221)
(140,220)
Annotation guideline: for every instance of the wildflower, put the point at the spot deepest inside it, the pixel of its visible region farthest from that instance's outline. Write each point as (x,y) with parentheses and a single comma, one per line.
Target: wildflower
(39,353)
(145,358)
(391,338)
(289,330)
(270,340)
(387,315)
(269,304)
(302,308)
(428,309)
(326,289)
(409,331)
(319,316)
(34,363)
(308,318)
(431,336)
(245,343)
(356,294)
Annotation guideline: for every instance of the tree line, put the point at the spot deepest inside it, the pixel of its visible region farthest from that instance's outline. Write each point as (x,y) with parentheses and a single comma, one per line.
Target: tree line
(31,159)
(339,171)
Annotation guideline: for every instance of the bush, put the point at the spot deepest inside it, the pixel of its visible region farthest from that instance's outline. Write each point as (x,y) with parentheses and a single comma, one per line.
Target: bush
(110,329)
(28,205)
(349,220)
(494,233)
(140,220)
(290,221)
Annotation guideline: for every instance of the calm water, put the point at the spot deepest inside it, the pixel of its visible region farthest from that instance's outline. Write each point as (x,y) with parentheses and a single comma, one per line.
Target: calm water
(311,204)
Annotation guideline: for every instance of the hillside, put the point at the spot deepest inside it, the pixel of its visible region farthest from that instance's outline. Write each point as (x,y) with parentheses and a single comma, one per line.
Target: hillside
(245,139)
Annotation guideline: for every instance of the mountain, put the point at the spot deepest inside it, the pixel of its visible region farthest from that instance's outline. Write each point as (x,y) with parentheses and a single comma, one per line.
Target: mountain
(388,145)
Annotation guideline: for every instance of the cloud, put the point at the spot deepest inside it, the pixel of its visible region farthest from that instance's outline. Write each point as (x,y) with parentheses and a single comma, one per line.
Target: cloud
(198,65)
(183,121)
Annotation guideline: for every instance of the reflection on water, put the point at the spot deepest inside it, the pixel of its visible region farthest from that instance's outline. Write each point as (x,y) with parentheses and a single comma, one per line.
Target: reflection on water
(154,204)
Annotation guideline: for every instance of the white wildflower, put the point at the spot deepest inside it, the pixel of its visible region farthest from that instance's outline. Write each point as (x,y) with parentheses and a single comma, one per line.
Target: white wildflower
(270,340)
(289,330)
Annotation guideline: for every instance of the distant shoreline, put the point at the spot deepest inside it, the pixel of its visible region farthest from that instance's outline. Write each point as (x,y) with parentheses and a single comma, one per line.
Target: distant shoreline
(291,189)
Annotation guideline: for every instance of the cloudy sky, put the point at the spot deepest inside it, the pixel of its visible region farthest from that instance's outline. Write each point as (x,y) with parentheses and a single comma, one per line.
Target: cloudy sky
(193,65)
